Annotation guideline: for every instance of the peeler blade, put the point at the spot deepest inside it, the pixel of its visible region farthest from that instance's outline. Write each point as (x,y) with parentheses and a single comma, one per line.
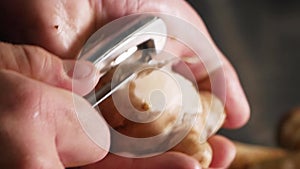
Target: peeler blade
(130,43)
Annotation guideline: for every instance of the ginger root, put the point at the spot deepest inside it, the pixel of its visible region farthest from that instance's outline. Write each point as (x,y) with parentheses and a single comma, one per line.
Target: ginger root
(153,104)
(248,155)
(261,157)
(289,130)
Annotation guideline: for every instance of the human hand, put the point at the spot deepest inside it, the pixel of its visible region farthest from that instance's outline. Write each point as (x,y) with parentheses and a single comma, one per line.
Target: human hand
(66,25)
(38,119)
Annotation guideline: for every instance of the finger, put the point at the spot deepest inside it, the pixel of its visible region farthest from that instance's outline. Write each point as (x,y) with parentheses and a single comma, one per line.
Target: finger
(228,88)
(40,124)
(225,150)
(236,104)
(233,96)
(34,62)
(168,160)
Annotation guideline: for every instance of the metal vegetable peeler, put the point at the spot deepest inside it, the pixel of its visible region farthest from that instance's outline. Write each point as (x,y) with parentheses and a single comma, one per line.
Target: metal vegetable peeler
(131,42)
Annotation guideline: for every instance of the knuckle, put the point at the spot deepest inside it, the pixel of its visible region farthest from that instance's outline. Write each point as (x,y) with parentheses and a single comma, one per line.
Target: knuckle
(26,59)
(6,56)
(132,6)
(36,58)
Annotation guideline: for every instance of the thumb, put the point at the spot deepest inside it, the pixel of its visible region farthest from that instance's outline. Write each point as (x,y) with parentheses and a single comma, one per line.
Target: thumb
(35,62)
(47,127)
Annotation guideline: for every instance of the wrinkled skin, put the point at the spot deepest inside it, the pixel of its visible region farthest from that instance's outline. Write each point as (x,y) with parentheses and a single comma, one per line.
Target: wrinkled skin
(61,27)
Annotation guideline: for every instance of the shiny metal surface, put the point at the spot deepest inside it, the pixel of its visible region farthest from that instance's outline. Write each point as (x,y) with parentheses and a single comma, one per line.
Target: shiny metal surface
(117,43)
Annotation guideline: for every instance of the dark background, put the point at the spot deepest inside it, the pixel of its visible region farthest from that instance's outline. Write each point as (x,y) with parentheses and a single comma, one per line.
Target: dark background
(262,40)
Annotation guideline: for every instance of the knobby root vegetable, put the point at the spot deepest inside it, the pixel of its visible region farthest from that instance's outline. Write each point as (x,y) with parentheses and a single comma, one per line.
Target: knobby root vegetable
(153,104)
(289,130)
(248,155)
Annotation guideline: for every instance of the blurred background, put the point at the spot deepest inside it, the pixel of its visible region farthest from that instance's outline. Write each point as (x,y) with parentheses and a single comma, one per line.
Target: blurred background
(262,40)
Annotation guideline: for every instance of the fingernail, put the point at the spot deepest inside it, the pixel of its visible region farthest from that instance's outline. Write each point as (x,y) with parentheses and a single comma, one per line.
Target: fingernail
(78,69)
(83,74)
(182,68)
